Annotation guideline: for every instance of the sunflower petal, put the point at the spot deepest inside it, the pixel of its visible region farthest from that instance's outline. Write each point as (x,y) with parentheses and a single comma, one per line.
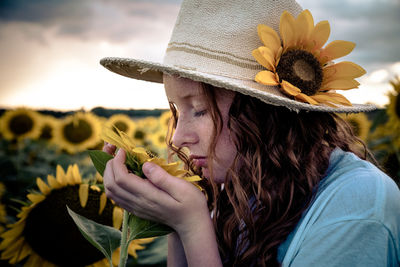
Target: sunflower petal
(344,84)
(103,202)
(289,88)
(269,37)
(287,29)
(83,194)
(117,217)
(12,249)
(52,181)
(192,179)
(95,188)
(76,176)
(332,97)
(266,77)
(35,198)
(264,57)
(305,98)
(304,26)
(43,187)
(61,178)
(320,34)
(336,49)
(343,70)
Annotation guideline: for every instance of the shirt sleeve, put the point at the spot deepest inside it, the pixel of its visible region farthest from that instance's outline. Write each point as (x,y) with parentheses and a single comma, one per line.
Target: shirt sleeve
(348,243)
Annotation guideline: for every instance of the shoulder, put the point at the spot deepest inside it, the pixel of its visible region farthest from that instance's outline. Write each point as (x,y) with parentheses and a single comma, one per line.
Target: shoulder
(356,189)
(356,208)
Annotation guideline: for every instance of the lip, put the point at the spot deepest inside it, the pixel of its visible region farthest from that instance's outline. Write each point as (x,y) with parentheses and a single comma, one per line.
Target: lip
(199,161)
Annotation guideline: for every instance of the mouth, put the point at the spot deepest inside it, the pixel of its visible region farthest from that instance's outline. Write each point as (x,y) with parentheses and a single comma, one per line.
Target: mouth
(199,161)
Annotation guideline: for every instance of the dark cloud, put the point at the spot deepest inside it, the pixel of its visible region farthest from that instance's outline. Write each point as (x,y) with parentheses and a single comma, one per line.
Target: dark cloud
(372,25)
(116,20)
(42,11)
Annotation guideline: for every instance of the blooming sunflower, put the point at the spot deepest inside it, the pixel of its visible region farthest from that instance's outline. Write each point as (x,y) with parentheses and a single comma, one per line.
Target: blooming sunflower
(158,141)
(78,132)
(20,123)
(49,126)
(46,235)
(122,122)
(393,110)
(360,124)
(299,64)
(3,213)
(122,140)
(164,120)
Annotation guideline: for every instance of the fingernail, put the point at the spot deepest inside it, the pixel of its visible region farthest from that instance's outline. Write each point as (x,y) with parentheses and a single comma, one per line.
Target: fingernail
(147,167)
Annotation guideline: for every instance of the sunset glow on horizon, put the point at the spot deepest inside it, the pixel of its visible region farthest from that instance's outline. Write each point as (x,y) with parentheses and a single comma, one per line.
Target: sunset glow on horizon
(51,49)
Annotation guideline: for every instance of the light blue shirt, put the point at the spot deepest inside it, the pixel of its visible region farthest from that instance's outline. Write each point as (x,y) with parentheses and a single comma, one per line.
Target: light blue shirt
(353,221)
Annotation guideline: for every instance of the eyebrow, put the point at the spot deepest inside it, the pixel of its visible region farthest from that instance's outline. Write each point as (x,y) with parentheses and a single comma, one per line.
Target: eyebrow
(190,95)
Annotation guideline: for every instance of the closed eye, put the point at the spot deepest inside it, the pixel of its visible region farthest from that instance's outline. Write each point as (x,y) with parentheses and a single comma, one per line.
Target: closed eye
(200,113)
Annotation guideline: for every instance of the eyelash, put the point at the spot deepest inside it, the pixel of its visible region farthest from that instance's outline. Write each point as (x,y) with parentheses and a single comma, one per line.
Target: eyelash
(200,113)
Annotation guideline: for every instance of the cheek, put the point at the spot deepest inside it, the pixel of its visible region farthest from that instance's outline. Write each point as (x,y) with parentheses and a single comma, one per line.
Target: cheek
(226,149)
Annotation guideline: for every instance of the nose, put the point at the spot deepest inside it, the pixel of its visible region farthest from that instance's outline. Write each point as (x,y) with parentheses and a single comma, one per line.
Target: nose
(184,135)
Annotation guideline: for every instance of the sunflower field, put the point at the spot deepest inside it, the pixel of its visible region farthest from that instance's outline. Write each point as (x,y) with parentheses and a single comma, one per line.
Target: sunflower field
(45,166)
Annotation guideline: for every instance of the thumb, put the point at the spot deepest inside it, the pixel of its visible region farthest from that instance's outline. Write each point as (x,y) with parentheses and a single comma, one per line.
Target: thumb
(162,179)
(120,157)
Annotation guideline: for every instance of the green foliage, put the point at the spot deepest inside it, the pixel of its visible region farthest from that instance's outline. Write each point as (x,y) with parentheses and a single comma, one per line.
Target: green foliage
(103,237)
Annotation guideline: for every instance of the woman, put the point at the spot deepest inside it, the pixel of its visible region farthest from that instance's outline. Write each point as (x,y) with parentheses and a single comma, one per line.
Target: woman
(284,184)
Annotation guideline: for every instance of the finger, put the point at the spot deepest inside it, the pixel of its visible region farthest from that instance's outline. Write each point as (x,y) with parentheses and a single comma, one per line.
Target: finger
(109,148)
(163,180)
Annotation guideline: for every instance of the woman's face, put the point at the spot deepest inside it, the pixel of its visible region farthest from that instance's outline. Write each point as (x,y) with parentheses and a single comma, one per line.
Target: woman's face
(195,125)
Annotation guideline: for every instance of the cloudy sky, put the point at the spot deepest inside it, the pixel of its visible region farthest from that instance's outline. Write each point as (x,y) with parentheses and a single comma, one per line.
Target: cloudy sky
(50,49)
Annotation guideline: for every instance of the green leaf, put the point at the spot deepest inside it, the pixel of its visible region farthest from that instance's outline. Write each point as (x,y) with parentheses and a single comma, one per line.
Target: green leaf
(141,228)
(104,238)
(155,253)
(99,159)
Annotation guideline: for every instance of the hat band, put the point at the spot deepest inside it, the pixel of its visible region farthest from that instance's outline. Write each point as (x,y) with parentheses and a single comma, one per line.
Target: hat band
(197,58)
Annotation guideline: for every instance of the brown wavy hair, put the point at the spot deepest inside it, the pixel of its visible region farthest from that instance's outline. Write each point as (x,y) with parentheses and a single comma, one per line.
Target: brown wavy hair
(281,157)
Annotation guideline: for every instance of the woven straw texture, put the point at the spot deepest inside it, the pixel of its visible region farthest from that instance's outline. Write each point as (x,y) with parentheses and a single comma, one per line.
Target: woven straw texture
(212,42)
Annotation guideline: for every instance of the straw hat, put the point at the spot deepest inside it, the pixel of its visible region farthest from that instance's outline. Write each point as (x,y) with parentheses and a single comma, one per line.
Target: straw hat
(221,43)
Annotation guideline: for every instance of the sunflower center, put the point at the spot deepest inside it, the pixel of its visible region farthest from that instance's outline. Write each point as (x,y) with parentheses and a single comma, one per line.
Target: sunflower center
(397,106)
(21,124)
(120,125)
(47,132)
(139,135)
(78,131)
(301,69)
(52,233)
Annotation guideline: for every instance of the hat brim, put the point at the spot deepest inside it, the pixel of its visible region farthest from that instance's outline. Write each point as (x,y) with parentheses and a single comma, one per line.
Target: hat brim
(153,72)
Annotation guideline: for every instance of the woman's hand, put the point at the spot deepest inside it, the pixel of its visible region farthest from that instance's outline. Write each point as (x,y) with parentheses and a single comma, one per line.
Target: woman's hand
(162,198)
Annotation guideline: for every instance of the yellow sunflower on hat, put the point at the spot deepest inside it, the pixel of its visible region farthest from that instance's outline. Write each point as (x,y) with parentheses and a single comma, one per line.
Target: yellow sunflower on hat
(20,123)
(45,235)
(297,62)
(78,132)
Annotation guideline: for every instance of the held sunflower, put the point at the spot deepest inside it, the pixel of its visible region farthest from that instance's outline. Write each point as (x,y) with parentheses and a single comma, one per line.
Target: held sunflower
(45,235)
(122,122)
(137,156)
(297,62)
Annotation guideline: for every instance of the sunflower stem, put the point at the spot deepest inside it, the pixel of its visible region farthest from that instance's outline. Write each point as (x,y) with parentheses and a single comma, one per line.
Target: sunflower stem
(124,240)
